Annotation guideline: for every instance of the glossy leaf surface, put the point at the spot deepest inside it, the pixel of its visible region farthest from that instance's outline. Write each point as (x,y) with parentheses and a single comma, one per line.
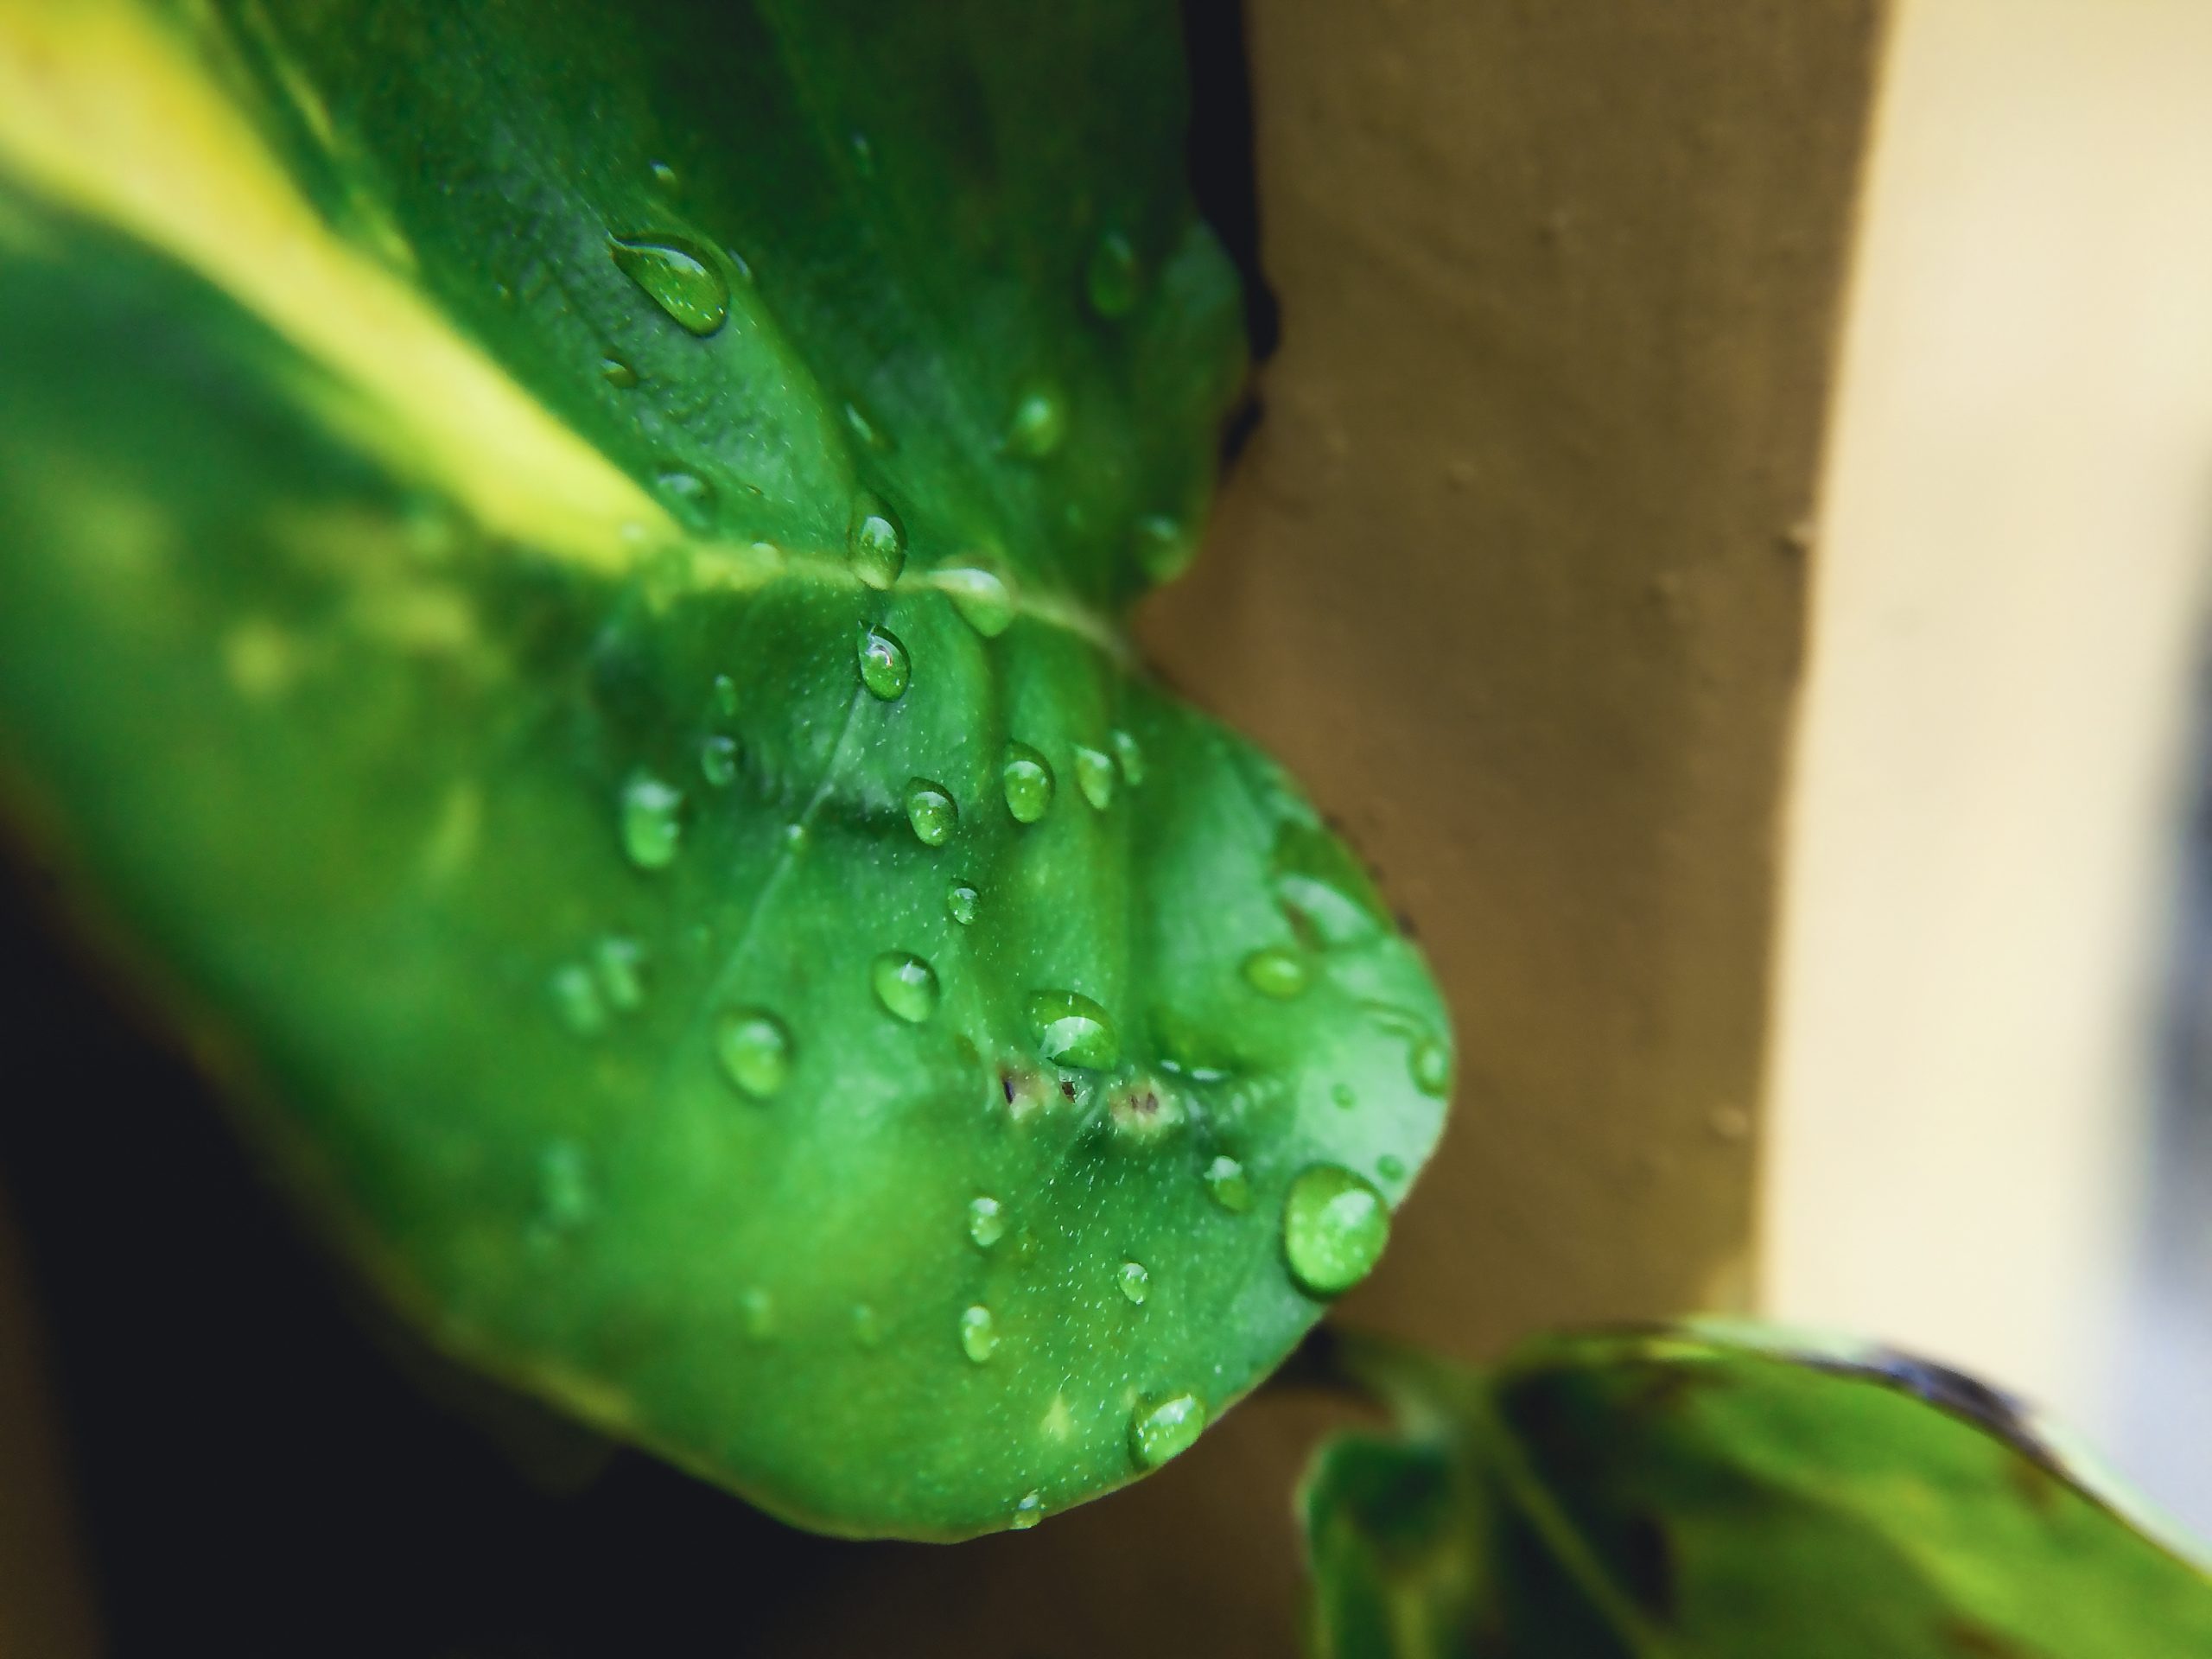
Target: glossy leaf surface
(562,571)
(1734,1493)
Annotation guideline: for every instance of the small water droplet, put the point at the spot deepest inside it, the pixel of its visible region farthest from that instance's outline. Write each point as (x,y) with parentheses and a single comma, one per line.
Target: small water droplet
(1130,757)
(870,435)
(981,597)
(725,693)
(690,495)
(652,821)
(986,1221)
(1072,1030)
(617,373)
(718,760)
(1112,278)
(664,177)
(979,1336)
(575,998)
(1430,1064)
(1028,1512)
(1165,548)
(1343,1095)
(1038,424)
(1027,776)
(677,277)
(758,1308)
(620,964)
(961,901)
(1162,1429)
(1391,1166)
(884,669)
(565,1200)
(1094,776)
(796,838)
(1136,1282)
(1334,1227)
(756,1051)
(876,541)
(906,986)
(1278,971)
(1229,1186)
(932,810)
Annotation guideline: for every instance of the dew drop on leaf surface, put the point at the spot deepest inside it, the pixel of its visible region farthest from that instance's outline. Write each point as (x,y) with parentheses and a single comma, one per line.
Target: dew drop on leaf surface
(1072,1030)
(884,669)
(981,597)
(1094,777)
(979,1336)
(876,542)
(1038,424)
(1028,779)
(652,822)
(986,1221)
(961,899)
(718,760)
(931,812)
(678,278)
(1334,1227)
(905,984)
(1162,1429)
(1228,1184)
(1136,1282)
(1277,971)
(756,1051)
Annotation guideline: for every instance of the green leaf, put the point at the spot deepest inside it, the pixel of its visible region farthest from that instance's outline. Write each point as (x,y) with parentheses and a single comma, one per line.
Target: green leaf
(1727,1491)
(563,572)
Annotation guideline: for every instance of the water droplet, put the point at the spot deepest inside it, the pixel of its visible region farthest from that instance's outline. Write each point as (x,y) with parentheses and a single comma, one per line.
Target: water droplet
(756,1051)
(1072,1030)
(1162,1429)
(718,761)
(565,1200)
(979,1336)
(1430,1063)
(1028,1512)
(1028,779)
(870,435)
(652,821)
(665,176)
(725,693)
(1334,1227)
(981,597)
(575,998)
(1136,1282)
(1343,1095)
(677,277)
(621,966)
(884,669)
(986,1221)
(1229,1186)
(690,495)
(933,811)
(876,540)
(1039,422)
(1391,1166)
(1277,971)
(961,899)
(758,1308)
(1112,278)
(905,985)
(1094,776)
(1165,549)
(867,1326)
(1131,758)
(617,373)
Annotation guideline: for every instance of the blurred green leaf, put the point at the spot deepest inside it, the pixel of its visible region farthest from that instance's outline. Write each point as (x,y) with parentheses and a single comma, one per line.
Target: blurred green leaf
(1722,1492)
(562,580)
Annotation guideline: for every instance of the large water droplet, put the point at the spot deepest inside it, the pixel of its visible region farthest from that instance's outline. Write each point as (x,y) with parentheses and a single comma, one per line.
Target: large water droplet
(1072,1030)
(718,760)
(960,901)
(1094,776)
(981,597)
(620,965)
(1278,971)
(933,811)
(1130,757)
(677,277)
(756,1051)
(575,998)
(905,984)
(1165,548)
(876,541)
(1038,424)
(652,821)
(1027,776)
(1334,1227)
(1136,1282)
(979,1336)
(1028,1512)
(1229,1186)
(986,1221)
(884,669)
(1161,1428)
(1112,279)
(1430,1064)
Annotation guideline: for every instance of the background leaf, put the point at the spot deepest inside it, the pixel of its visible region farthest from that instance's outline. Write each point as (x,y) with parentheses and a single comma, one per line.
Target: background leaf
(1732,1492)
(561,571)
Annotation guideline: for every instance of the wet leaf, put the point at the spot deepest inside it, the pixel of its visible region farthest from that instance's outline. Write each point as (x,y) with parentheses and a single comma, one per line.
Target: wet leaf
(563,572)
(1727,1491)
